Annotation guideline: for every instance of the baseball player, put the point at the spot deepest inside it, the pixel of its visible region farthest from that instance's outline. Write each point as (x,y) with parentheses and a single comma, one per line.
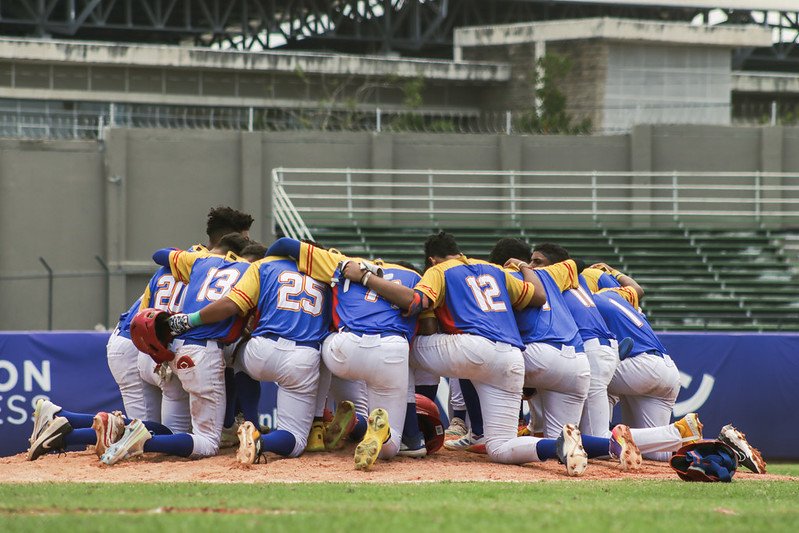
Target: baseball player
(647,381)
(198,362)
(600,344)
(294,313)
(554,357)
(371,342)
(473,301)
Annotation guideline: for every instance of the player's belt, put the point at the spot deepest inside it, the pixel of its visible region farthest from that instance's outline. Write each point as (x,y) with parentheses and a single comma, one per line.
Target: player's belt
(383,334)
(648,352)
(601,340)
(202,342)
(307,344)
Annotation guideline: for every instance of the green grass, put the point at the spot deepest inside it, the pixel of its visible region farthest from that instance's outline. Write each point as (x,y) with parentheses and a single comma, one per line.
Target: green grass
(590,506)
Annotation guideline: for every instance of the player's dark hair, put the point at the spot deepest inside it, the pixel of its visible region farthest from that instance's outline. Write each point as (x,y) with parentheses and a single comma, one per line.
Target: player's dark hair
(256,250)
(509,248)
(441,245)
(223,220)
(233,242)
(409,266)
(555,253)
(581,265)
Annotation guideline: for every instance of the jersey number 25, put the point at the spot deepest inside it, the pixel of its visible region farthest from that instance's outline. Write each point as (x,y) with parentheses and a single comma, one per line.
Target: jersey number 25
(300,293)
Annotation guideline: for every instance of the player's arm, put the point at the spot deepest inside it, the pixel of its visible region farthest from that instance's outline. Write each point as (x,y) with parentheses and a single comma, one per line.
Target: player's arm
(539,294)
(179,262)
(623,279)
(427,323)
(240,300)
(285,247)
(320,264)
(628,293)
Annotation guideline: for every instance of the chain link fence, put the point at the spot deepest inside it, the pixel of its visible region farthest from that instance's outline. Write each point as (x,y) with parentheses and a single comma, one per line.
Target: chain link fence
(53,122)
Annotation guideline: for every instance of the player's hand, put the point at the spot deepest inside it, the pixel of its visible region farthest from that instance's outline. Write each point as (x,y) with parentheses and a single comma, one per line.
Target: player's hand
(515,262)
(604,267)
(179,324)
(351,271)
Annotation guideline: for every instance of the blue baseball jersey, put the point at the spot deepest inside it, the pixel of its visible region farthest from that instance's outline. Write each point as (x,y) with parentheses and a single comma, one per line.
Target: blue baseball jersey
(624,319)
(208,278)
(359,309)
(290,304)
(476,297)
(583,309)
(551,322)
(366,312)
(123,327)
(163,292)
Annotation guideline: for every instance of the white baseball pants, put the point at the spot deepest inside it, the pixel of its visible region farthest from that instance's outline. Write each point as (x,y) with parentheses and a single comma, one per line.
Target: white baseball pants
(201,371)
(175,413)
(647,386)
(382,363)
(497,371)
(295,370)
(596,412)
(562,378)
(141,399)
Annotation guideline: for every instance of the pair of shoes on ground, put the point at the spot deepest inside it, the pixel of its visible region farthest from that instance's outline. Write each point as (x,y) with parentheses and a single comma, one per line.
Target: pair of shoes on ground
(366,453)
(115,442)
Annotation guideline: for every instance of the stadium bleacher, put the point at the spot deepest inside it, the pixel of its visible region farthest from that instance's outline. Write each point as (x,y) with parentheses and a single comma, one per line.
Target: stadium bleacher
(694,279)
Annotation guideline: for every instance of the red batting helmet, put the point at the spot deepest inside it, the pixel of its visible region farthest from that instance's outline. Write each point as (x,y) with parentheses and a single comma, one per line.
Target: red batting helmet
(430,423)
(149,331)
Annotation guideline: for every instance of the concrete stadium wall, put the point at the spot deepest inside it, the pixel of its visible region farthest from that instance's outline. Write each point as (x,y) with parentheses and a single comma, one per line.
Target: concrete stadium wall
(139,190)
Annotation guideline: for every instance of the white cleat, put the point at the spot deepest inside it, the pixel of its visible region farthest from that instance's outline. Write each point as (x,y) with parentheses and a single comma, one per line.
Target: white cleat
(570,450)
(130,445)
(249,444)
(43,414)
(748,455)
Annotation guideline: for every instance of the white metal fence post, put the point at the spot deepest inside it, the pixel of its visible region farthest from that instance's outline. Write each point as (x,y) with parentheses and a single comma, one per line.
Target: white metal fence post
(758,184)
(349,193)
(378,120)
(512,183)
(250,118)
(594,197)
(508,122)
(674,196)
(430,201)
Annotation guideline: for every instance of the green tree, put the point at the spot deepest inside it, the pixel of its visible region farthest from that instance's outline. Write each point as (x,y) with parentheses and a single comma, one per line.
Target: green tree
(552,116)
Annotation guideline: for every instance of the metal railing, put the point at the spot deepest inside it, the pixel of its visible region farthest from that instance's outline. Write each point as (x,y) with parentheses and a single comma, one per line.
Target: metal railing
(30,120)
(305,196)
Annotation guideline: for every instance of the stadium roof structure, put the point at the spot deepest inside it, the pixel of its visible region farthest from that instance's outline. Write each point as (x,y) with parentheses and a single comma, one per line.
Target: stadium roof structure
(408,27)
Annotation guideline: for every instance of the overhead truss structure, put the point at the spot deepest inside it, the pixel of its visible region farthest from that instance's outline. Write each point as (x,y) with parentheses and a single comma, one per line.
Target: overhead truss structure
(408,27)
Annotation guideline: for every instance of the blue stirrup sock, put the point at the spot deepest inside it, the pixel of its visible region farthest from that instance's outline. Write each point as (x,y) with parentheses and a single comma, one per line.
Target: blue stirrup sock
(596,446)
(360,428)
(248,396)
(83,421)
(180,444)
(472,401)
(410,429)
(428,391)
(81,436)
(546,449)
(278,441)
(230,398)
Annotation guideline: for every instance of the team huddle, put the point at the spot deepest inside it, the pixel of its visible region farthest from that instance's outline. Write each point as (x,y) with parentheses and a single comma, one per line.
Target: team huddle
(357,349)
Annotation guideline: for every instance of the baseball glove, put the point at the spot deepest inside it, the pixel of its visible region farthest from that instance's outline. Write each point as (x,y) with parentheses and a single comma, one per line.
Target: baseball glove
(705,460)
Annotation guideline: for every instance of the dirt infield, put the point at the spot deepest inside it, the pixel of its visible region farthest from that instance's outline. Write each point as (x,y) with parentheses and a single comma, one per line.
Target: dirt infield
(324,467)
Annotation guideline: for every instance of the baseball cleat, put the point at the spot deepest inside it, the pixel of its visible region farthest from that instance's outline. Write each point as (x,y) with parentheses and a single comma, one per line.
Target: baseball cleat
(748,455)
(377,433)
(109,428)
(690,428)
(469,442)
(413,447)
(316,437)
(571,453)
(623,448)
(51,438)
(457,429)
(523,430)
(130,445)
(43,414)
(341,426)
(249,444)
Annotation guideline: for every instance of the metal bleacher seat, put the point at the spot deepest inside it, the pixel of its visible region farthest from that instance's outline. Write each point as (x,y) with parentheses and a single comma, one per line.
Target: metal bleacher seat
(694,280)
